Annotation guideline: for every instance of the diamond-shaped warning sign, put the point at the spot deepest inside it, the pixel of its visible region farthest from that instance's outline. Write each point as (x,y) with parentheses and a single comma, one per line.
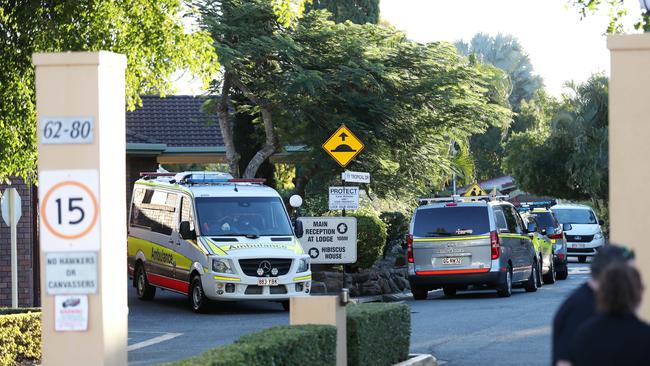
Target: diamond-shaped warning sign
(475,190)
(343,146)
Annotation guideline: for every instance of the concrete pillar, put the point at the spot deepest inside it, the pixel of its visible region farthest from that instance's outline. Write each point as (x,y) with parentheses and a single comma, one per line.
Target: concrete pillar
(326,310)
(91,85)
(629,148)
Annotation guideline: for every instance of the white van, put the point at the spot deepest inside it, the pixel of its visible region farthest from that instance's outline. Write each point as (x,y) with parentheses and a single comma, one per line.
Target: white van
(586,236)
(211,237)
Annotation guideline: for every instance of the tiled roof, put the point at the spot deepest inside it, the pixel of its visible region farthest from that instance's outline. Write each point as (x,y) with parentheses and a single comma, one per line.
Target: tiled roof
(176,120)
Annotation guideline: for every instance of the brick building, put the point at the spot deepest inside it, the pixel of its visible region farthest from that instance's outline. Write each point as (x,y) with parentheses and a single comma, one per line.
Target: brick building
(28,286)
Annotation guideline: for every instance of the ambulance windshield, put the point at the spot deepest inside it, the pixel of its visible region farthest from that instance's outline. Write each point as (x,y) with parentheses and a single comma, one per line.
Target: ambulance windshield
(242,216)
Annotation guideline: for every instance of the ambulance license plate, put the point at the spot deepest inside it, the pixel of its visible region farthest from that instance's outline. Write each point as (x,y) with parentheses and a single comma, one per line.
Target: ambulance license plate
(267,281)
(452,260)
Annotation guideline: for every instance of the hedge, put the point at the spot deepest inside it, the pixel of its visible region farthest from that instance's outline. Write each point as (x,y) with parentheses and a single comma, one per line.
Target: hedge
(378,333)
(20,335)
(371,237)
(313,345)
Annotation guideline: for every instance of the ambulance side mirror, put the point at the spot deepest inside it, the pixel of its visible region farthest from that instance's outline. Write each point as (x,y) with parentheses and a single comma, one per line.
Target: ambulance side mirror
(185,231)
(299,229)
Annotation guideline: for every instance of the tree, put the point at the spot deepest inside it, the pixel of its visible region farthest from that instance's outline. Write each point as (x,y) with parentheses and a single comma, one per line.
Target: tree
(569,143)
(151,34)
(356,11)
(506,53)
(615,9)
(404,100)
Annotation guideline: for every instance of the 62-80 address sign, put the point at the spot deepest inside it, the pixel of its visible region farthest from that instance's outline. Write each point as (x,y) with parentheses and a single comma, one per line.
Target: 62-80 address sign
(66,130)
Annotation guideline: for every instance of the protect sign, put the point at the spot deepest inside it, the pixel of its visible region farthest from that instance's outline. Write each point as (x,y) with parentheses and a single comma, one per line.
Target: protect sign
(330,240)
(69,210)
(343,198)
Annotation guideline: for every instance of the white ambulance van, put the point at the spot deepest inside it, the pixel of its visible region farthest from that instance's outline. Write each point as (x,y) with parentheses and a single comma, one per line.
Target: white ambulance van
(211,237)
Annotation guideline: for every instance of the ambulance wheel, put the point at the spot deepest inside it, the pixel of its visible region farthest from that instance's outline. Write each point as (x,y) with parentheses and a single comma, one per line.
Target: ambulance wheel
(142,287)
(531,284)
(198,301)
(285,305)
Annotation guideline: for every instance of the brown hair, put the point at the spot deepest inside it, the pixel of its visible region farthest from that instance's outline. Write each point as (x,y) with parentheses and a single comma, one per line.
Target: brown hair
(620,289)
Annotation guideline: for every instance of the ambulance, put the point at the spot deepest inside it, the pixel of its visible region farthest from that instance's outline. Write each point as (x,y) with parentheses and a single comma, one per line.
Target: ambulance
(210,237)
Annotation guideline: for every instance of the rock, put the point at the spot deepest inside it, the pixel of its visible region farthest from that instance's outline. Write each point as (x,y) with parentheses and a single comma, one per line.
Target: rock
(361,277)
(370,289)
(333,285)
(318,276)
(318,287)
(385,286)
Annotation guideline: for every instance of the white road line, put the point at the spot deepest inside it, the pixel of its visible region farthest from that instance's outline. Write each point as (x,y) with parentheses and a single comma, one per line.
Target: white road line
(580,270)
(152,341)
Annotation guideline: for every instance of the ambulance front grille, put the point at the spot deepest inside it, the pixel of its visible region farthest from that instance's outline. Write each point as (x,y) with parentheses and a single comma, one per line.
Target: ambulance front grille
(250,266)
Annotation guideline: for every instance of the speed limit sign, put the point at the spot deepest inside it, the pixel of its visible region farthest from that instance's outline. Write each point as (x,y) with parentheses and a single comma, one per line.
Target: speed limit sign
(69,210)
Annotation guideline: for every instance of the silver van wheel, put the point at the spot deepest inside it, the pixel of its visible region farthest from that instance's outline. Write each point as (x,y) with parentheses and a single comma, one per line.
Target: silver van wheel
(505,289)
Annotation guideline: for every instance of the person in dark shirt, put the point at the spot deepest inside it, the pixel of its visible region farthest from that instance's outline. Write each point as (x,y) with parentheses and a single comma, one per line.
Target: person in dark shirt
(615,336)
(581,305)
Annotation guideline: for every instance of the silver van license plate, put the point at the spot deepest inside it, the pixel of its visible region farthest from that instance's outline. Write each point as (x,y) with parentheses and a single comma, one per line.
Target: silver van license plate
(267,281)
(453,260)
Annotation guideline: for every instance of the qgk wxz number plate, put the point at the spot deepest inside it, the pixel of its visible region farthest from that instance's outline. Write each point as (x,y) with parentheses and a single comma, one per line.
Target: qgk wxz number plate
(67,130)
(267,281)
(452,260)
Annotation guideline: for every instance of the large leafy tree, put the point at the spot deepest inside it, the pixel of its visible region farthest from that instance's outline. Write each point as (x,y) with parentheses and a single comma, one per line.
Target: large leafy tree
(405,100)
(616,10)
(150,33)
(506,53)
(565,154)
(356,11)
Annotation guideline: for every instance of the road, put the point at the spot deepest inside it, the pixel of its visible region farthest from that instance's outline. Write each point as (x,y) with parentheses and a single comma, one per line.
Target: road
(471,328)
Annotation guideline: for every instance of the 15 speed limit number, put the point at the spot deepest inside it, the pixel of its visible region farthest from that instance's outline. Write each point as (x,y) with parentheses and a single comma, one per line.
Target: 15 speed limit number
(69,210)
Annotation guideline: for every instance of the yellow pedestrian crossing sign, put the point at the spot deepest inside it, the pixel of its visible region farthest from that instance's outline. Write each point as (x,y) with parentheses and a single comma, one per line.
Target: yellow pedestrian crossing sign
(475,190)
(343,146)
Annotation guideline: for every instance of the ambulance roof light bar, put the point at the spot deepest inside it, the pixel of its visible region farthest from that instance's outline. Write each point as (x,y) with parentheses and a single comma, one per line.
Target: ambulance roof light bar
(458,198)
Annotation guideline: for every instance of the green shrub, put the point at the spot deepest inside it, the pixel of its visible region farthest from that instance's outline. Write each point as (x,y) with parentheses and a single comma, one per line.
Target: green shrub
(397,225)
(285,345)
(371,237)
(20,335)
(378,333)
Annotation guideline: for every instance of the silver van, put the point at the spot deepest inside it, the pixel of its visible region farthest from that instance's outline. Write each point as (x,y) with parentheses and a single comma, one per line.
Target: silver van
(453,244)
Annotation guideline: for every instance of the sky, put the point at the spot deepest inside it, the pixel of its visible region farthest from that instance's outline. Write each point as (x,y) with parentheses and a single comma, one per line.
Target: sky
(560,45)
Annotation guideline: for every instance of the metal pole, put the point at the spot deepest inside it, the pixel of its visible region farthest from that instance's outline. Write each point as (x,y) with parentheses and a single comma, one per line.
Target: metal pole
(454,184)
(14,249)
(344,265)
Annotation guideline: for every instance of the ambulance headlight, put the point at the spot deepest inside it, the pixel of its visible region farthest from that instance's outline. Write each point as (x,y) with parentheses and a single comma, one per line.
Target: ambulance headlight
(222,266)
(303,265)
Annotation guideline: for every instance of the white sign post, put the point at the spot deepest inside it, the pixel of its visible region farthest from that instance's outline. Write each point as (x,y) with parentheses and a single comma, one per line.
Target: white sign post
(330,240)
(11,207)
(355,177)
(344,198)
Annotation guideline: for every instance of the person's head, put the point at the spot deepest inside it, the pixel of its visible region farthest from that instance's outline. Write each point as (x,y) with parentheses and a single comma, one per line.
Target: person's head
(620,289)
(609,255)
